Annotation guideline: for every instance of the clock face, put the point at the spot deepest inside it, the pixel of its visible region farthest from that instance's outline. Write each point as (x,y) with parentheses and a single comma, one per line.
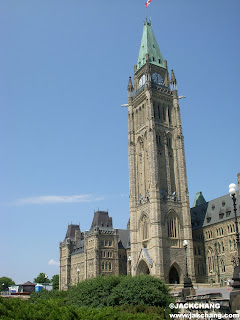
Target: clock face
(141,81)
(157,78)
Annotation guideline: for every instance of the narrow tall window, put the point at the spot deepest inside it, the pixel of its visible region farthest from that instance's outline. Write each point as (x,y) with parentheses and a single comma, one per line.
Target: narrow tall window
(164,115)
(235,245)
(211,261)
(169,115)
(173,227)
(223,266)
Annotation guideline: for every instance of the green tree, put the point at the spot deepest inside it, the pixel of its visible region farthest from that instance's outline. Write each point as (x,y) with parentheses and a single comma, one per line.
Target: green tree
(55,282)
(93,292)
(41,278)
(120,290)
(5,282)
(143,290)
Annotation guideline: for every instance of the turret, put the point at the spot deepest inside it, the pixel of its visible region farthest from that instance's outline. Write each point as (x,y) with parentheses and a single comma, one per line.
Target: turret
(173,82)
(130,88)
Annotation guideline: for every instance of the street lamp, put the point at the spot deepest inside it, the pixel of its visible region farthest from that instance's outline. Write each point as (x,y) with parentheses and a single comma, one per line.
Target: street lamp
(45,281)
(236,260)
(211,276)
(78,270)
(129,263)
(218,273)
(187,279)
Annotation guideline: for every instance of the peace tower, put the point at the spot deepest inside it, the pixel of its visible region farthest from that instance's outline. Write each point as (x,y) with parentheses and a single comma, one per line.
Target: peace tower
(159,201)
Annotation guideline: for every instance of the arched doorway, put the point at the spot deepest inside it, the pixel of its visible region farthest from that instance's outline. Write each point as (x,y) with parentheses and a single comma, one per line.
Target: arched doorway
(173,275)
(142,268)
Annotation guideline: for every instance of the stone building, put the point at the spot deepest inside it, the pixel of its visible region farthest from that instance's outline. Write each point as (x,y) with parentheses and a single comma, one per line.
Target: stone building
(214,237)
(160,216)
(100,251)
(159,201)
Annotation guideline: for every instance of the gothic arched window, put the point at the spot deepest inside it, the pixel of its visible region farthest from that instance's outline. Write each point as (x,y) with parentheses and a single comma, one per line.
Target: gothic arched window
(144,228)
(159,112)
(173,227)
(223,266)
(169,115)
(211,260)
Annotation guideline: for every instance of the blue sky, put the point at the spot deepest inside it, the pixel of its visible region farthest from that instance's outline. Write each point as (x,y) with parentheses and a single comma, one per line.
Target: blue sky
(64,73)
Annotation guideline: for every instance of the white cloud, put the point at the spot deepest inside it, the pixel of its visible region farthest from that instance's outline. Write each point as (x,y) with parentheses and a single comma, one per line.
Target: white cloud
(53,263)
(58,199)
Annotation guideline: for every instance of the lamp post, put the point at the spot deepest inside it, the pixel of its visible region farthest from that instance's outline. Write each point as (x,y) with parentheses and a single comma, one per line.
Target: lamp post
(187,286)
(129,263)
(45,277)
(211,276)
(235,294)
(216,253)
(3,286)
(187,280)
(78,270)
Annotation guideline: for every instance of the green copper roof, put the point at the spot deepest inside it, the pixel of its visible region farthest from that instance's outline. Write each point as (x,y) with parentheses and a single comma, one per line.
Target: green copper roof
(199,199)
(149,45)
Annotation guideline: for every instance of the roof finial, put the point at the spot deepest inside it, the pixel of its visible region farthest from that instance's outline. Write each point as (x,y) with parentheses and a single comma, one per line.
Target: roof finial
(173,81)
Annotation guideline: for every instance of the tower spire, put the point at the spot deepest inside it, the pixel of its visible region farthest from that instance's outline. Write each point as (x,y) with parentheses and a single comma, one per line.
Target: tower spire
(149,46)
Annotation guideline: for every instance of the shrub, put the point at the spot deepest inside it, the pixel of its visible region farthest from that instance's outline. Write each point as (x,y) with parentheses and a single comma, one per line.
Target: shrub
(120,290)
(93,292)
(17,309)
(112,297)
(144,290)
(46,295)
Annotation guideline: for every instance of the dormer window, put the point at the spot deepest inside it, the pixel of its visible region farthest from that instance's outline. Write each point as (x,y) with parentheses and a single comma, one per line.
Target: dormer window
(221,214)
(159,61)
(228,212)
(153,59)
(208,218)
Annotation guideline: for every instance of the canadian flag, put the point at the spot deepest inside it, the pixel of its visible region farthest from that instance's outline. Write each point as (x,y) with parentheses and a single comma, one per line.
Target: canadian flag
(148,3)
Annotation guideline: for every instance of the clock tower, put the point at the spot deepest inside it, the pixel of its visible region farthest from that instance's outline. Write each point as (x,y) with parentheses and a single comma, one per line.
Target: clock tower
(159,202)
